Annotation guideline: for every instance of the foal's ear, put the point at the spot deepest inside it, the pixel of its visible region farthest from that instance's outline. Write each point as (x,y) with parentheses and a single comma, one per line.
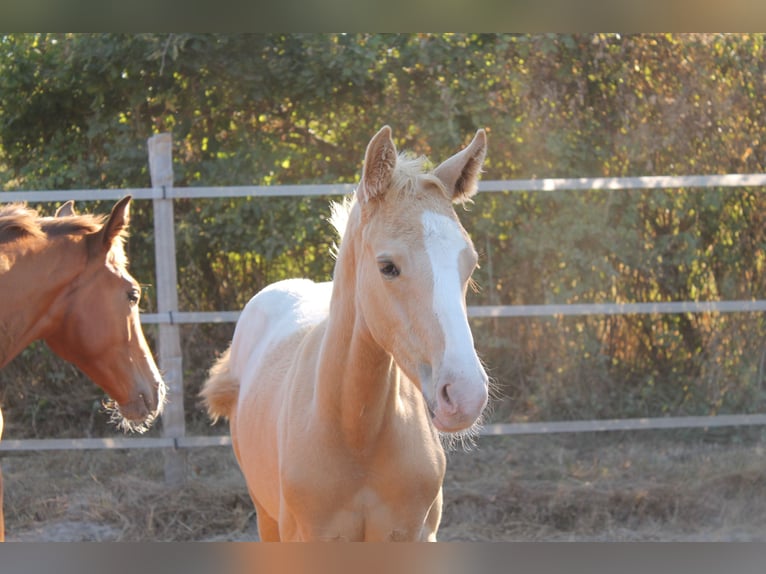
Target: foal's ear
(118,220)
(379,163)
(460,173)
(66,209)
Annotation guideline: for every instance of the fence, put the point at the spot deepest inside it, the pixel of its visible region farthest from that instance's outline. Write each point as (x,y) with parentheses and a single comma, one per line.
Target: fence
(162,193)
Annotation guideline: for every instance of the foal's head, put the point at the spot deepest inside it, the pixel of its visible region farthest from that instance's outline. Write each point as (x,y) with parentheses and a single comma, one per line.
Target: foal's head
(413,269)
(101,331)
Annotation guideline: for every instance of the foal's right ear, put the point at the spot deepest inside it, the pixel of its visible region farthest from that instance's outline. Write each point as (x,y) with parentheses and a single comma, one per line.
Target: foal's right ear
(379,163)
(118,220)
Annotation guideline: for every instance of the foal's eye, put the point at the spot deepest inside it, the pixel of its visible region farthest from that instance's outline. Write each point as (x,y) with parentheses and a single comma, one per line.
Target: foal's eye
(389,270)
(133,296)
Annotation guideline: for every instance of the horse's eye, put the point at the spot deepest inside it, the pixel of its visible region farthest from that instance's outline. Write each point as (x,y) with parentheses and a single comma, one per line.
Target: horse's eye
(389,270)
(133,296)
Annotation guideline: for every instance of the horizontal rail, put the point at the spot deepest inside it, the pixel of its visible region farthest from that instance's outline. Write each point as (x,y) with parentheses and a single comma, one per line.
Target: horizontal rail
(617,308)
(549,184)
(78,194)
(498,429)
(179,317)
(659,423)
(20,445)
(623,183)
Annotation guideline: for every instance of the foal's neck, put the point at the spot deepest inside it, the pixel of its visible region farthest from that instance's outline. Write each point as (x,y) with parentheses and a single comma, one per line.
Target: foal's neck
(358,379)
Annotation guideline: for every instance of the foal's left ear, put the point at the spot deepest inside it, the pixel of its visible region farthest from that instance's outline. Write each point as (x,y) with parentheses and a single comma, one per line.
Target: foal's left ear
(118,220)
(460,173)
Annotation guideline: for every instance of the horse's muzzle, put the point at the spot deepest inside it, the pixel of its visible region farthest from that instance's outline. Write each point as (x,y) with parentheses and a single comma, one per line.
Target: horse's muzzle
(459,403)
(146,407)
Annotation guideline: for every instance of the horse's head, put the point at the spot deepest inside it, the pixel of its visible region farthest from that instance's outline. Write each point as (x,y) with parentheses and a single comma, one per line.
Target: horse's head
(101,331)
(413,269)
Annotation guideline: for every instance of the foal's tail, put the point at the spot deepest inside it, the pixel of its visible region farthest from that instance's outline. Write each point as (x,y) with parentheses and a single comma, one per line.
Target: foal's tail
(221,390)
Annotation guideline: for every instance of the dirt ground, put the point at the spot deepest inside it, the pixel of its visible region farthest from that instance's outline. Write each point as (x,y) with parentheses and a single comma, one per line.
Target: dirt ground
(640,486)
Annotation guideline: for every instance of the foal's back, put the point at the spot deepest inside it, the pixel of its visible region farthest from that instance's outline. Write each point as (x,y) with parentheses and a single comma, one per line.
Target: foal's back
(270,323)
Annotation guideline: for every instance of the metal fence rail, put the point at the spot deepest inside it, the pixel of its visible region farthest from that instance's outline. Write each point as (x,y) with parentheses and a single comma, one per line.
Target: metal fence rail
(743,306)
(498,429)
(547,184)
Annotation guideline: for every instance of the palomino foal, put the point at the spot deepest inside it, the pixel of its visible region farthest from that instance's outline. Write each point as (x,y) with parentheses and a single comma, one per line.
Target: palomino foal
(336,392)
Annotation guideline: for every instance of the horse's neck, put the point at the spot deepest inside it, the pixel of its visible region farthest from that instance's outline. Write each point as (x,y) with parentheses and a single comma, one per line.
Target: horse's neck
(358,379)
(31,285)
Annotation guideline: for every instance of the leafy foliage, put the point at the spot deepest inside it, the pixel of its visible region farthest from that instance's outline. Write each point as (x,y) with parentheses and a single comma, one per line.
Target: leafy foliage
(76,110)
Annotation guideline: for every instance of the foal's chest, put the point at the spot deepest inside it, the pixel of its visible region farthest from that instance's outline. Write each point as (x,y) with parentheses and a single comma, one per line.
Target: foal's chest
(384,497)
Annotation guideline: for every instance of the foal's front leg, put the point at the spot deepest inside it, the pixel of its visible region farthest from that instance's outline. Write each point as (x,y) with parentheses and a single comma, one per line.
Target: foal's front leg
(268,528)
(433,519)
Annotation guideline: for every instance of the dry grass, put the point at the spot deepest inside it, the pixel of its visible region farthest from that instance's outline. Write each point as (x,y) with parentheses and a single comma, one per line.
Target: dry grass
(611,486)
(631,486)
(121,496)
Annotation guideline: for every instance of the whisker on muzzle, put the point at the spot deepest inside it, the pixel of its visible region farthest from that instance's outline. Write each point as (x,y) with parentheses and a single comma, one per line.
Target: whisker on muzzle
(139,427)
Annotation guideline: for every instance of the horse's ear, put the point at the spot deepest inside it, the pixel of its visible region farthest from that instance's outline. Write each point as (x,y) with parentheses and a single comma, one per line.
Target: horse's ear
(66,209)
(460,173)
(379,163)
(118,220)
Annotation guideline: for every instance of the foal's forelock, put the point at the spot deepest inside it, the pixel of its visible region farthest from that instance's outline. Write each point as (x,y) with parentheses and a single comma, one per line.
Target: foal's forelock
(117,256)
(408,177)
(409,174)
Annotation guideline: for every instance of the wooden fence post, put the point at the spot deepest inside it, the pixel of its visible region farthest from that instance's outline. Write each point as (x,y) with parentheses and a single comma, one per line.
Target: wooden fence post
(170,359)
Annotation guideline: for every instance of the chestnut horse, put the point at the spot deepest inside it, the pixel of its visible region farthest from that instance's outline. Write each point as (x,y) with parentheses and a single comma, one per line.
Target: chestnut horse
(337,393)
(64,280)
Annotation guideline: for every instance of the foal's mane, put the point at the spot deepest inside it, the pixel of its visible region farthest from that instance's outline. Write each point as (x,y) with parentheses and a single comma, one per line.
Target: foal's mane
(17,221)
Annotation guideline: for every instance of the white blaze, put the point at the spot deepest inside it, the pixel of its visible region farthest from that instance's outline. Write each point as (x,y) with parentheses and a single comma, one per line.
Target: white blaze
(459,367)
(444,242)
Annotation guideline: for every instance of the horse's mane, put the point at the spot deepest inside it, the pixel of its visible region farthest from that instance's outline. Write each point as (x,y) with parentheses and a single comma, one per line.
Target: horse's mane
(18,221)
